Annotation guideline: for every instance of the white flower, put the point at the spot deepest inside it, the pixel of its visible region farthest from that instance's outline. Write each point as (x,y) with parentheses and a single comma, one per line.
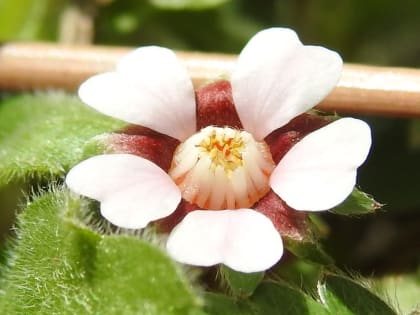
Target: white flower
(223,170)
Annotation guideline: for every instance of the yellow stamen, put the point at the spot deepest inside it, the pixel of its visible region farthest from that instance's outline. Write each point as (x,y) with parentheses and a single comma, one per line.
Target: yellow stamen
(225,151)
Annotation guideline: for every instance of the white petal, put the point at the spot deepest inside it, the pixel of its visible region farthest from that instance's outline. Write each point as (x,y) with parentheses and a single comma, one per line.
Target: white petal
(277,78)
(133,191)
(242,239)
(319,172)
(149,88)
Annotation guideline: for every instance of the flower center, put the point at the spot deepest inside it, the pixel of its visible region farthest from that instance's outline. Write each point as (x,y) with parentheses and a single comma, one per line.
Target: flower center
(222,168)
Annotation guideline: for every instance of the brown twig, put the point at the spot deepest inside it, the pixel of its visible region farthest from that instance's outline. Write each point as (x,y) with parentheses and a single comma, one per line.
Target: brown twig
(362,89)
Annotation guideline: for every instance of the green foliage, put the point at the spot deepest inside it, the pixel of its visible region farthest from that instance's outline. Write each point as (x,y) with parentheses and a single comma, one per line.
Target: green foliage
(403,291)
(357,203)
(137,23)
(279,298)
(80,271)
(139,279)
(28,19)
(338,295)
(187,4)
(240,284)
(42,135)
(346,297)
(218,304)
(309,250)
(300,273)
(269,298)
(59,266)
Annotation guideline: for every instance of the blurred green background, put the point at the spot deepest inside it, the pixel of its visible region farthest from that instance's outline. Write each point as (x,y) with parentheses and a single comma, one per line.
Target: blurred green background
(377,32)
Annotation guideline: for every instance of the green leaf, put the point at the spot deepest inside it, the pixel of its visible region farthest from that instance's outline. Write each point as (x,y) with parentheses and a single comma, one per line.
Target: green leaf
(269,298)
(357,203)
(137,278)
(50,262)
(309,250)
(28,19)
(59,266)
(187,4)
(239,283)
(218,304)
(403,291)
(43,135)
(278,298)
(300,273)
(344,296)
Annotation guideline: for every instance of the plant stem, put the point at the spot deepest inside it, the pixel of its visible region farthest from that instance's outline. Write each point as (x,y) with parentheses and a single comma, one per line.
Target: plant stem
(362,89)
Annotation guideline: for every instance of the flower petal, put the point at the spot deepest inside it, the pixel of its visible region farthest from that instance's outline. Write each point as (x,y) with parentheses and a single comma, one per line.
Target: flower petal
(242,239)
(150,88)
(277,78)
(319,172)
(133,191)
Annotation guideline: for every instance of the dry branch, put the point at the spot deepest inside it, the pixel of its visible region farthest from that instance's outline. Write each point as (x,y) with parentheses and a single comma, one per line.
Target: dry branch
(362,89)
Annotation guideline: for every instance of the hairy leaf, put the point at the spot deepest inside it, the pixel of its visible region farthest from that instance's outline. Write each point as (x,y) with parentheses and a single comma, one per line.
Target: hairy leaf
(346,297)
(239,283)
(218,304)
(279,298)
(42,135)
(59,266)
(309,250)
(357,203)
(403,291)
